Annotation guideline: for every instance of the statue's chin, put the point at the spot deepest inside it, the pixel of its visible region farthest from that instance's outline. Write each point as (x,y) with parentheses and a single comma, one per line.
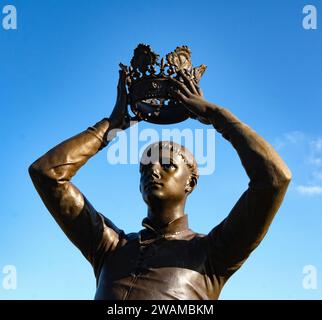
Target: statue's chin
(153,197)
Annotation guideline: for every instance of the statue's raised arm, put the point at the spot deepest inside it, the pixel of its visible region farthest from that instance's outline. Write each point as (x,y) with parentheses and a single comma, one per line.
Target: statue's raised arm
(51,174)
(240,233)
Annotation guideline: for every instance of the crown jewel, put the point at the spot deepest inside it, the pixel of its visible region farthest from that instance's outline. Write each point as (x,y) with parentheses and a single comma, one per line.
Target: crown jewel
(149,85)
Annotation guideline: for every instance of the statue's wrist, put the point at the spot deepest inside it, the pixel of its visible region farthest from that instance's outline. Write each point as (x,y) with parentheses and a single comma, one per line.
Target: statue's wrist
(115,122)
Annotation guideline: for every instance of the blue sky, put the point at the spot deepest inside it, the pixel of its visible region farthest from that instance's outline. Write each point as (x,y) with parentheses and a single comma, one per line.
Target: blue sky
(58,75)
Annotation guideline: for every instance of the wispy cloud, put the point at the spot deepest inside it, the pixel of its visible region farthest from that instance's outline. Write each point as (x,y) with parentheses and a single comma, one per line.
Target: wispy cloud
(309,190)
(316,161)
(293,137)
(317,145)
(307,151)
(316,152)
(317,174)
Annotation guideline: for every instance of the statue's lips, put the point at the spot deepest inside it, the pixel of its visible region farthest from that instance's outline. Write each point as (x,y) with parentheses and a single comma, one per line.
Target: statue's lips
(152,184)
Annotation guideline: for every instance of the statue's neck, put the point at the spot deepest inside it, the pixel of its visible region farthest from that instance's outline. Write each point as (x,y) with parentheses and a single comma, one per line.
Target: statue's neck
(161,215)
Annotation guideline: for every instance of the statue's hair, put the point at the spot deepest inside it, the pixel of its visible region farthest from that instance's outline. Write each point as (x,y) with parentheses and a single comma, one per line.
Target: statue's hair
(185,154)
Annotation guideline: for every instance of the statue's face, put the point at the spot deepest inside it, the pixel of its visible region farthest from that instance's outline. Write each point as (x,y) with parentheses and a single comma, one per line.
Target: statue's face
(166,178)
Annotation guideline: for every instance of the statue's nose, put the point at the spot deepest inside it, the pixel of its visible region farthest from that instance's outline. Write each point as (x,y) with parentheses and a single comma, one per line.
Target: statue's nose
(155,171)
(156,174)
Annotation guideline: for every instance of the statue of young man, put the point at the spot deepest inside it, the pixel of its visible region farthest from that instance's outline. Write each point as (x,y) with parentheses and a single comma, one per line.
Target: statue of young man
(165,260)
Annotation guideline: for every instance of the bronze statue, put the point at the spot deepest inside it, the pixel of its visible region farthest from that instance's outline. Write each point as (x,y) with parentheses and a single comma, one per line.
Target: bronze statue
(165,260)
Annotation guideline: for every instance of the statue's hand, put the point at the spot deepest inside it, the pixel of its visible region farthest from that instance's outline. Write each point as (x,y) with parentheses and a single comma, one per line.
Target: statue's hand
(190,95)
(119,117)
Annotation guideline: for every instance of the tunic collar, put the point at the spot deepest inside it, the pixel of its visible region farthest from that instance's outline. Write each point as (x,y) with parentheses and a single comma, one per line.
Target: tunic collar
(169,230)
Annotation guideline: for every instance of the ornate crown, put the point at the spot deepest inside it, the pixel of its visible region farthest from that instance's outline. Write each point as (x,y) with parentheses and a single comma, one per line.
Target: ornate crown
(149,85)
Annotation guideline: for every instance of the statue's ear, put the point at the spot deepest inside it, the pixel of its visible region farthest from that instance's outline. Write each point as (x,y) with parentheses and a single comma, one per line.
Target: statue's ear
(191,184)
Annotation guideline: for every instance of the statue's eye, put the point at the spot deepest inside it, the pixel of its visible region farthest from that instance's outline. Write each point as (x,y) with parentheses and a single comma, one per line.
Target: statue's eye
(169,166)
